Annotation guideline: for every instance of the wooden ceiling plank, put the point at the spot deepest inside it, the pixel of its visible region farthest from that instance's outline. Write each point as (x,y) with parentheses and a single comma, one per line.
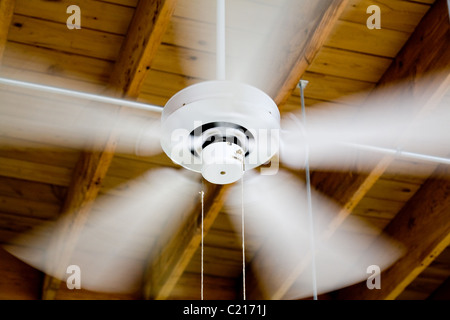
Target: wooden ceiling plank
(24,150)
(145,33)
(350,35)
(56,36)
(349,65)
(414,60)
(125,3)
(330,88)
(165,84)
(97,15)
(166,276)
(36,191)
(147,27)
(32,171)
(423,228)
(28,208)
(6,15)
(397,15)
(50,67)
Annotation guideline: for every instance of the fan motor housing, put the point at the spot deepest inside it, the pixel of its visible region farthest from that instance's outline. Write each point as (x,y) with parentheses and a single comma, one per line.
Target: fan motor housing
(220,129)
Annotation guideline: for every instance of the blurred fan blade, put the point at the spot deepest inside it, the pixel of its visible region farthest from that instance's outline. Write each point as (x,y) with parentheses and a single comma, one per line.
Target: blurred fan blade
(116,242)
(60,117)
(261,36)
(276,207)
(448,7)
(394,120)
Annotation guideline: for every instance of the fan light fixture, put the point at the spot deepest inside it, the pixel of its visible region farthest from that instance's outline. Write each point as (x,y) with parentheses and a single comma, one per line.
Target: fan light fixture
(220,129)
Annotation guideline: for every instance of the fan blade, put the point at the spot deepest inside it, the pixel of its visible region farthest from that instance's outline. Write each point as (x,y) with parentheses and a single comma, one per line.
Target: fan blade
(260,37)
(394,120)
(448,7)
(276,207)
(53,116)
(117,239)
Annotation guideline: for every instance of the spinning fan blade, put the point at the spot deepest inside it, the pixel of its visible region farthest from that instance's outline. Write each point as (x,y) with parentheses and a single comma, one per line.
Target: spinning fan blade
(394,120)
(448,6)
(30,112)
(117,239)
(276,207)
(260,37)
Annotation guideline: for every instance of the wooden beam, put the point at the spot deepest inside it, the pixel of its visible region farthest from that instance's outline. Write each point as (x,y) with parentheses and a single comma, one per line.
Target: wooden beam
(423,228)
(166,275)
(174,257)
(6,15)
(316,39)
(299,35)
(139,48)
(145,33)
(413,61)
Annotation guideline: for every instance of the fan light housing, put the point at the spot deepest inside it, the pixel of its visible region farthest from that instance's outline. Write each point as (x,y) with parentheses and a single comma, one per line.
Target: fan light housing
(220,129)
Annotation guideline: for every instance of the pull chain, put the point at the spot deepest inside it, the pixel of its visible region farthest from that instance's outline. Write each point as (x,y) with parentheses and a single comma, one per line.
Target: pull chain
(302,86)
(202,193)
(243,240)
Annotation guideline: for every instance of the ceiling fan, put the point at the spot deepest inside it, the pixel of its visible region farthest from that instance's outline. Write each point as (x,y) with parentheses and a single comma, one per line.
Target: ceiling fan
(225,130)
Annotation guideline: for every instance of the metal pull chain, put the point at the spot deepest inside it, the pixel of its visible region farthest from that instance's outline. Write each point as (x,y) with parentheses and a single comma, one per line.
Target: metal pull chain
(244,294)
(302,86)
(202,193)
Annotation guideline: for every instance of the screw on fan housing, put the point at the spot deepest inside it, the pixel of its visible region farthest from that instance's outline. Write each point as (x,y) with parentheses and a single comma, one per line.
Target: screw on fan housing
(221,129)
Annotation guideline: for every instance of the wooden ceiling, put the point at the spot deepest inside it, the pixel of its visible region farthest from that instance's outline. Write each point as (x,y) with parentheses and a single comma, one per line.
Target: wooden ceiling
(148,51)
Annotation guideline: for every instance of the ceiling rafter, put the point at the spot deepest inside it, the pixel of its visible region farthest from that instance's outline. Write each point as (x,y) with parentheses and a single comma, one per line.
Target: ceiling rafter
(168,276)
(412,62)
(325,24)
(6,14)
(145,32)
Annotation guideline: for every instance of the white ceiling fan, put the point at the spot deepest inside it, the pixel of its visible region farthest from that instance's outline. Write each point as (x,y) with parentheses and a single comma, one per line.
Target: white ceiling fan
(223,129)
